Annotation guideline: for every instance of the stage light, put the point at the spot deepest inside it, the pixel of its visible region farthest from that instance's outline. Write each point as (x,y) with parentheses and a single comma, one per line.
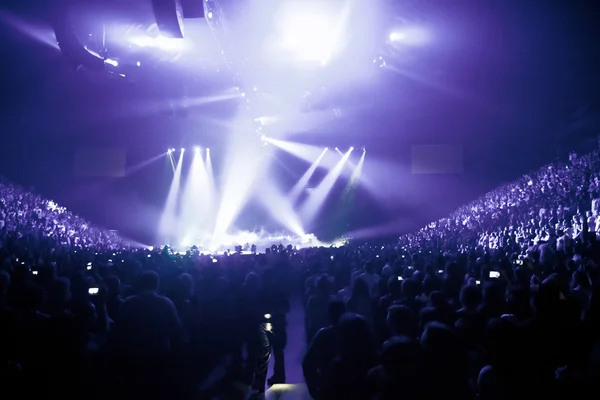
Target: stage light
(336,149)
(159,42)
(364,149)
(210,15)
(172,150)
(397,36)
(197,148)
(182,149)
(169,151)
(411,36)
(326,148)
(169,17)
(112,62)
(310,31)
(138,63)
(207,150)
(351,148)
(380,62)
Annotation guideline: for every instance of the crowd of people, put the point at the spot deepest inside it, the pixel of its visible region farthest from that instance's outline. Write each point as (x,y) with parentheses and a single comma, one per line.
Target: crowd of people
(26,214)
(556,200)
(498,300)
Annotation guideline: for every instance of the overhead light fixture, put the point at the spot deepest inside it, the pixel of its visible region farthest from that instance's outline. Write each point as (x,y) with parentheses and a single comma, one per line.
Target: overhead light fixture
(112,62)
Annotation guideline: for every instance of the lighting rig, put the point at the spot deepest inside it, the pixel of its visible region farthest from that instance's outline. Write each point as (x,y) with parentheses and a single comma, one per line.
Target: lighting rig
(169,16)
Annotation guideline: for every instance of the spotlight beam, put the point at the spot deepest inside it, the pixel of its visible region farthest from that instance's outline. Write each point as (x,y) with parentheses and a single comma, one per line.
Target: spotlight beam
(357,170)
(305,152)
(195,215)
(170,154)
(311,206)
(167,223)
(244,165)
(279,207)
(303,181)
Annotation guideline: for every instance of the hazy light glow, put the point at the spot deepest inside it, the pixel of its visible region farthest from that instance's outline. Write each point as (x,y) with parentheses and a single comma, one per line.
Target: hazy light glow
(112,62)
(167,224)
(303,151)
(303,181)
(244,163)
(210,188)
(197,215)
(351,165)
(28,28)
(411,36)
(311,31)
(357,170)
(307,153)
(312,205)
(197,101)
(159,42)
(170,155)
(397,36)
(279,207)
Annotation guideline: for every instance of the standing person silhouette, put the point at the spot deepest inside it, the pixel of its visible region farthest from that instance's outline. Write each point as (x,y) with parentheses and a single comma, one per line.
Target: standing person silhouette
(279,307)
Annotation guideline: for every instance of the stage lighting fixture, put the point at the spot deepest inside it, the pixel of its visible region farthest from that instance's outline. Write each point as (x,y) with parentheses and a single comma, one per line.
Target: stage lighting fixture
(364,149)
(397,36)
(182,149)
(193,8)
(351,148)
(336,149)
(169,17)
(169,151)
(69,43)
(196,148)
(207,150)
(112,62)
(139,64)
(379,62)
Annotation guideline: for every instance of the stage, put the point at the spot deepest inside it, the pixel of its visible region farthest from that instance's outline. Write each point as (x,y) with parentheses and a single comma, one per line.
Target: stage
(252,243)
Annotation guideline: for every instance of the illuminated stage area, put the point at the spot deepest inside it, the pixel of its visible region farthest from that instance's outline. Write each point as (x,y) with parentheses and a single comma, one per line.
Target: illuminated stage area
(246,242)
(201,212)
